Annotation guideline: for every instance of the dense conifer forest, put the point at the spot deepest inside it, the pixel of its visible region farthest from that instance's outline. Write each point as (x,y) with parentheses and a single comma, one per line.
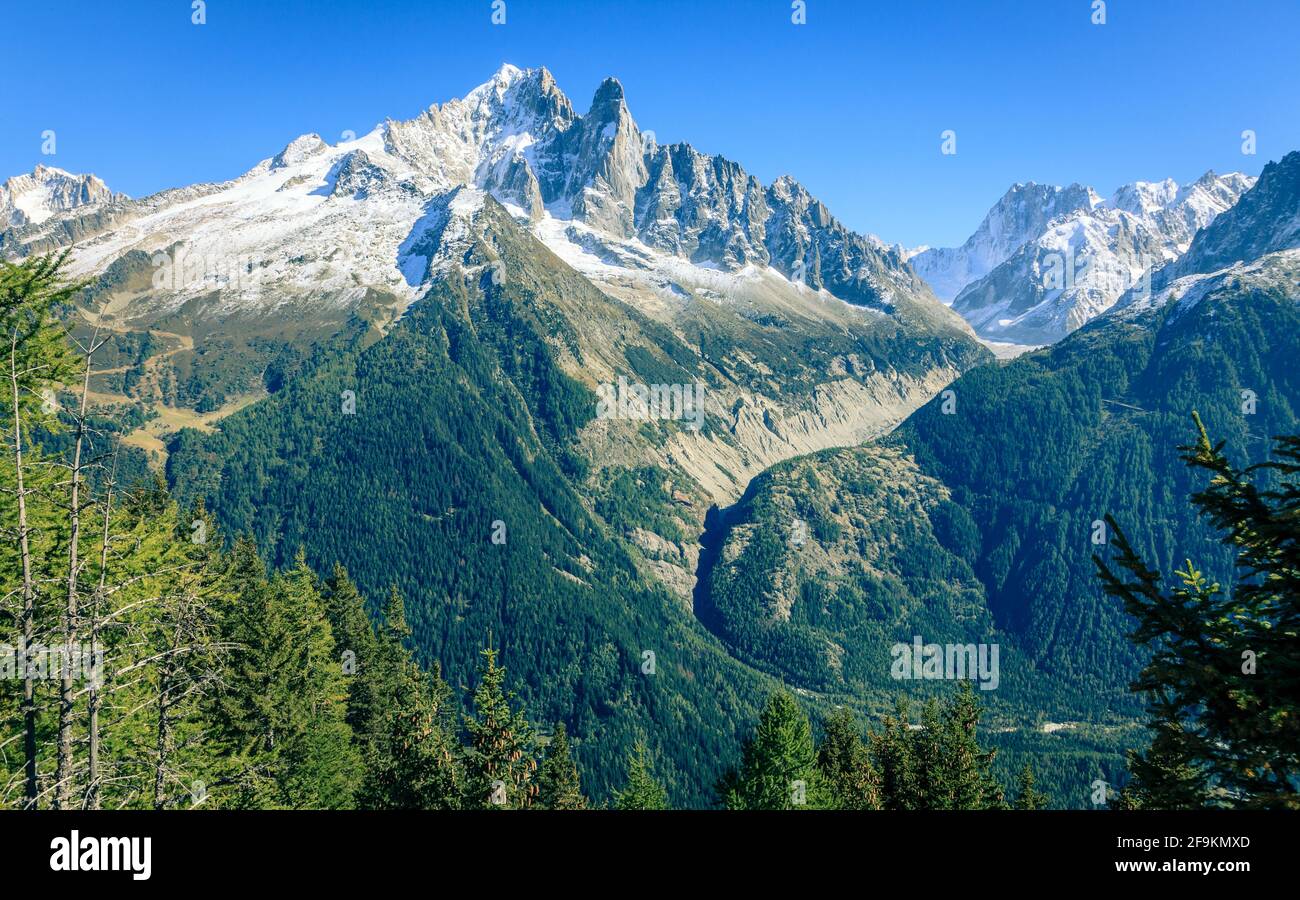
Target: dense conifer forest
(179,647)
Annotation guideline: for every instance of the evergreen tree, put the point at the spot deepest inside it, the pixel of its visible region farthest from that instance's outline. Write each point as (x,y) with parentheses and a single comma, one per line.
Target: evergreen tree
(412,758)
(642,791)
(845,763)
(558,783)
(414,762)
(1168,774)
(965,769)
(1223,679)
(893,750)
(35,358)
(778,766)
(500,765)
(184,649)
(938,764)
(356,648)
(1027,795)
(282,718)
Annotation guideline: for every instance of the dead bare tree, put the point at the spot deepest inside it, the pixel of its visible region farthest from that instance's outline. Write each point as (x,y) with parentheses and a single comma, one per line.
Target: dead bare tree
(63,772)
(28,617)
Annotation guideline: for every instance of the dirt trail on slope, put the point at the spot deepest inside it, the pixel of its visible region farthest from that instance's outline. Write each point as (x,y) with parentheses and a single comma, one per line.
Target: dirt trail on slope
(150,436)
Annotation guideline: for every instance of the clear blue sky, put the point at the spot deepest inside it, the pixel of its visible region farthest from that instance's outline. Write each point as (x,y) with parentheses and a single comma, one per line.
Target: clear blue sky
(852,103)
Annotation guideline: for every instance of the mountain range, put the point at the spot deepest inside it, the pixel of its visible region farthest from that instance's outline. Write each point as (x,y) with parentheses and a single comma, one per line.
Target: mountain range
(385,351)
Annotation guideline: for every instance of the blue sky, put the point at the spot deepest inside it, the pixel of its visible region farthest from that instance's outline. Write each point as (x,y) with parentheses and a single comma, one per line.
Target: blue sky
(852,103)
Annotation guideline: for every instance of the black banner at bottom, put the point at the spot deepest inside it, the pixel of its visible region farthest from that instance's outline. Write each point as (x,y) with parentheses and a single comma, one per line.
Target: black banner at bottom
(144,850)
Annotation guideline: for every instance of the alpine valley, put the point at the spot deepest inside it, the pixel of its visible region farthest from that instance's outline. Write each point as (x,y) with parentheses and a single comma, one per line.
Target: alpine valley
(389,353)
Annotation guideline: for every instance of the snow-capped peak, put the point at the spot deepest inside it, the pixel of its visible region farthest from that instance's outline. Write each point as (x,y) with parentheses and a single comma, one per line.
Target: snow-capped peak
(330,222)
(1021,214)
(298,150)
(31,199)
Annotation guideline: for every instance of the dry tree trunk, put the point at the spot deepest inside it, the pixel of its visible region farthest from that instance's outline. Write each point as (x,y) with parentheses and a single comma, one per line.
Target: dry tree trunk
(93,775)
(71,630)
(29,592)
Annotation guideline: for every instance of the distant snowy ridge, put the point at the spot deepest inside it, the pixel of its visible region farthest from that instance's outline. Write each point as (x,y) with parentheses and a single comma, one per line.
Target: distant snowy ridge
(1047,260)
(1021,215)
(1253,245)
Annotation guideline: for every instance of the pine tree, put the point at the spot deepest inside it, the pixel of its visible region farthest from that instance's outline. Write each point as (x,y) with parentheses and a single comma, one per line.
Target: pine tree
(845,763)
(356,648)
(283,715)
(37,358)
(558,783)
(413,762)
(184,654)
(641,791)
(1169,774)
(967,780)
(412,758)
(938,764)
(1223,679)
(1027,795)
(778,766)
(500,763)
(893,750)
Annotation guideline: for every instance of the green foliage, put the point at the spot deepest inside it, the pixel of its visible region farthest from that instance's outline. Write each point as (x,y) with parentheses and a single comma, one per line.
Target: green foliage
(1040,448)
(1027,795)
(822,609)
(281,718)
(845,763)
(411,500)
(558,783)
(500,766)
(1223,682)
(641,790)
(778,765)
(939,762)
(401,718)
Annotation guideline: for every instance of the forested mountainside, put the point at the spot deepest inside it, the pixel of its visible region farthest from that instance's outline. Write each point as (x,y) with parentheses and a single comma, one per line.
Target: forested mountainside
(466,475)
(991,498)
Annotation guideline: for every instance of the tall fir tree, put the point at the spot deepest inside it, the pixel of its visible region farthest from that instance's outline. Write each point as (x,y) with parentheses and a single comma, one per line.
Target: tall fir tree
(937,763)
(966,779)
(412,759)
(356,647)
(1223,679)
(1028,796)
(282,718)
(36,358)
(642,790)
(500,764)
(558,783)
(893,750)
(778,765)
(845,763)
